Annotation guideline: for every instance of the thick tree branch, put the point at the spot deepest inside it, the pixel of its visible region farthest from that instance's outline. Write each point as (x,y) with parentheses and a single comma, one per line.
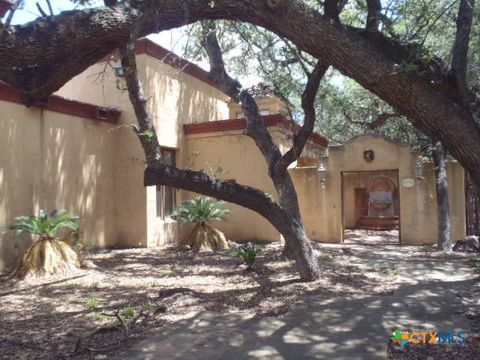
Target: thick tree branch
(461,44)
(256,128)
(39,57)
(380,120)
(157,173)
(308,105)
(374,15)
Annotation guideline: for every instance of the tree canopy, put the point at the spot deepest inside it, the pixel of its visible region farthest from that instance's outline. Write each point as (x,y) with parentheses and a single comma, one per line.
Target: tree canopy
(400,52)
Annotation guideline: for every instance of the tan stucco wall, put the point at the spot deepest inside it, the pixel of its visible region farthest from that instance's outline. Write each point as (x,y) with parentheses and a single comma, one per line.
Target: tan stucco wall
(322,208)
(176,98)
(351,181)
(271,104)
(51,160)
(239,159)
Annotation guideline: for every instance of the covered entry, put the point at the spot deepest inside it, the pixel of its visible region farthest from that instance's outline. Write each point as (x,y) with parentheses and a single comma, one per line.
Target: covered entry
(370,184)
(371,201)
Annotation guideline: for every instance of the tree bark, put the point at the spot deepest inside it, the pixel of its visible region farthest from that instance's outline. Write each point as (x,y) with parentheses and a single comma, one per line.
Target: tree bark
(38,58)
(444,240)
(472,204)
(461,44)
(296,241)
(284,217)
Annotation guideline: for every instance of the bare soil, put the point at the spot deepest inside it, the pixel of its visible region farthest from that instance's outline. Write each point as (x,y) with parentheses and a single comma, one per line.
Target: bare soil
(73,317)
(44,319)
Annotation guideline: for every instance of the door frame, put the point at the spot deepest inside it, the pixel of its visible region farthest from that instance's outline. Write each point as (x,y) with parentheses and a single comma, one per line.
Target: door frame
(342,186)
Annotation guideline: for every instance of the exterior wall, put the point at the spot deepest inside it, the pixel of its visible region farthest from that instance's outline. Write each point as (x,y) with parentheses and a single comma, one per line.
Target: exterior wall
(238,158)
(322,209)
(351,181)
(176,98)
(52,160)
(272,104)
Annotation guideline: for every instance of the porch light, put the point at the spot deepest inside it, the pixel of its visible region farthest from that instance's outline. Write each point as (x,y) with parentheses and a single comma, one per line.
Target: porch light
(322,174)
(419,170)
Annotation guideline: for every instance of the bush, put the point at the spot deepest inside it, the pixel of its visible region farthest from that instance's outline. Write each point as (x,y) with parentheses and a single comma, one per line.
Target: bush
(201,209)
(45,225)
(47,255)
(247,252)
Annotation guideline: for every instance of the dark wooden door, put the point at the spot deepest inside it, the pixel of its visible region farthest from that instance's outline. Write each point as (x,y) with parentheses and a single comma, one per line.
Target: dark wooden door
(361,203)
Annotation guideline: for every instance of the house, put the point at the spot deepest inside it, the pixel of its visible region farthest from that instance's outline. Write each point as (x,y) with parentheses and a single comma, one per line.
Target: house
(82,155)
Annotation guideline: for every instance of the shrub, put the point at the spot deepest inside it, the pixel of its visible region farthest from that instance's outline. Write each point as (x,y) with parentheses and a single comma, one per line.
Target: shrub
(47,255)
(247,252)
(201,209)
(45,225)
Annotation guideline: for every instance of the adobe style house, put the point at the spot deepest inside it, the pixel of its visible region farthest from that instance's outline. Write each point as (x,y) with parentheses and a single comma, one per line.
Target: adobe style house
(78,151)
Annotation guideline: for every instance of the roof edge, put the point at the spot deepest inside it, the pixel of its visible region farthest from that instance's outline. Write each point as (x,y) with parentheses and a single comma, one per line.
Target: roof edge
(65,106)
(241,124)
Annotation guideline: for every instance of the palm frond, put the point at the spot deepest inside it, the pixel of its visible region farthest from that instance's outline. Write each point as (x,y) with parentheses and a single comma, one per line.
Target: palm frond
(201,209)
(45,224)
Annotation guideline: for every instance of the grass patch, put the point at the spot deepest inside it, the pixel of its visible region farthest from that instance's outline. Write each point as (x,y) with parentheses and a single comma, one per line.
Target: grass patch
(92,303)
(474,262)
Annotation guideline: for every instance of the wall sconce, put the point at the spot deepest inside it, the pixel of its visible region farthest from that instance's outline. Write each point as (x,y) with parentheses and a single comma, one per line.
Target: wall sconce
(419,170)
(119,71)
(322,174)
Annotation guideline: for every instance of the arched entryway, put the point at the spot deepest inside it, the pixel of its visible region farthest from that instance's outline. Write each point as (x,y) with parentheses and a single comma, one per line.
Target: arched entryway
(371,206)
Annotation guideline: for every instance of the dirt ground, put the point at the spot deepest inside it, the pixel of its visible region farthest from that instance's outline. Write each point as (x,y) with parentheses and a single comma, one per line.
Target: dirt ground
(60,317)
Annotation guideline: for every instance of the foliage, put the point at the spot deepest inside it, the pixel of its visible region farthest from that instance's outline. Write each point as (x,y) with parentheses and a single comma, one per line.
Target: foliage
(474,262)
(247,252)
(425,27)
(45,225)
(201,209)
(129,312)
(92,303)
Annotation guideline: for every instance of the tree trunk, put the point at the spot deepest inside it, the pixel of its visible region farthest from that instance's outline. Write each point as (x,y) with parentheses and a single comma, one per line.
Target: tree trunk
(285,220)
(38,58)
(472,205)
(444,240)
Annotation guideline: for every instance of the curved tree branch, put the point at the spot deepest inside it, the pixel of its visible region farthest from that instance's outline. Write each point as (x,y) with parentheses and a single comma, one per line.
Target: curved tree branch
(158,173)
(461,44)
(374,15)
(308,105)
(256,128)
(39,57)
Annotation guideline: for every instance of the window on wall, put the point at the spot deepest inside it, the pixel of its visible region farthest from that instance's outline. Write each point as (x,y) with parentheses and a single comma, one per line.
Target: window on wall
(166,194)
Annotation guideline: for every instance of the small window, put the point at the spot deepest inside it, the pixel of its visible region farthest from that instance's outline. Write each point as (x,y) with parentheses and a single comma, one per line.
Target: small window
(165,194)
(264,112)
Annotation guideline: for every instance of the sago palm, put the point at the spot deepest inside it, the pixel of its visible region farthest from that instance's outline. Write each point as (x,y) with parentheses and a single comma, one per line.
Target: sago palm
(201,211)
(48,254)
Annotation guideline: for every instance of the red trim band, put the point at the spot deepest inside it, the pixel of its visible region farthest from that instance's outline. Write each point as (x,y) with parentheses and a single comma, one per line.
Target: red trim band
(241,124)
(59,104)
